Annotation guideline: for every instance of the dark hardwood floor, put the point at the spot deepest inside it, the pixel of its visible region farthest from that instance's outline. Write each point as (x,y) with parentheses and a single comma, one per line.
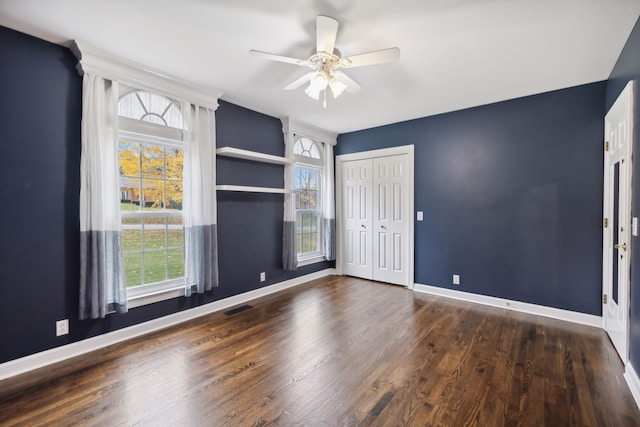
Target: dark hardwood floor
(338,351)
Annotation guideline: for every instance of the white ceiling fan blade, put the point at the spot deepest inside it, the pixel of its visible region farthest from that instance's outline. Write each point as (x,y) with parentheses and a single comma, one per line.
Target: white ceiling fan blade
(326,32)
(371,58)
(279,58)
(352,86)
(299,82)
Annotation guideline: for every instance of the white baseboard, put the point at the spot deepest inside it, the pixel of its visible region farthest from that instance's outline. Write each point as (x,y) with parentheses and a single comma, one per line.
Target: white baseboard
(540,310)
(58,354)
(633,382)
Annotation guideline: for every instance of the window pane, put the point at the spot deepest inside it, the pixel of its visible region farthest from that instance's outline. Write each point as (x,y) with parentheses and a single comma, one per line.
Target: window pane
(153,193)
(313,242)
(312,196)
(175,237)
(152,161)
(306,186)
(173,117)
(306,147)
(174,195)
(150,107)
(155,237)
(130,106)
(129,156)
(174,163)
(154,266)
(314,151)
(132,234)
(314,222)
(176,220)
(129,190)
(133,269)
(153,103)
(307,221)
(175,259)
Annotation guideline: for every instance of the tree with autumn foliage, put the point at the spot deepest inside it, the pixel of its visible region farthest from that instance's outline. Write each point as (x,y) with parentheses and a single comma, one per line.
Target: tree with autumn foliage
(155,170)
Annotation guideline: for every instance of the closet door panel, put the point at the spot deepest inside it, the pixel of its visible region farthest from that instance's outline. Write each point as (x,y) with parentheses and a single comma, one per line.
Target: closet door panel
(358,218)
(391,220)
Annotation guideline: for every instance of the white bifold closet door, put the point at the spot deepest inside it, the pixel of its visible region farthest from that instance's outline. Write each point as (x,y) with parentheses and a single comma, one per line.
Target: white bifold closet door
(376,218)
(358,220)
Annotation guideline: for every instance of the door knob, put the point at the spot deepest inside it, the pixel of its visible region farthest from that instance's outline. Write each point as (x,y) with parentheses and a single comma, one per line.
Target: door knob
(622,246)
(363,226)
(383,227)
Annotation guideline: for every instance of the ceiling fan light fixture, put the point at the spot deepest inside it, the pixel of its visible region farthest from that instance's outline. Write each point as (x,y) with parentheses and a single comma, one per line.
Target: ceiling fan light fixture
(337,87)
(317,83)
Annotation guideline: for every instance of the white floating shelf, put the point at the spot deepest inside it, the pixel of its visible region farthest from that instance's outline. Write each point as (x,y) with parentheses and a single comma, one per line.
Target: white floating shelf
(251,155)
(246,189)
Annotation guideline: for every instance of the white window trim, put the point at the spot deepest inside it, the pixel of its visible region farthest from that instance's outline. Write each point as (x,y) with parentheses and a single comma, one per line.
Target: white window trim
(141,77)
(293,128)
(163,136)
(149,132)
(113,67)
(308,260)
(318,254)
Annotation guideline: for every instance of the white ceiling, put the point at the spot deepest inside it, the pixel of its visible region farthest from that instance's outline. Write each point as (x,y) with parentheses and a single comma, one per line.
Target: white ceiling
(454,53)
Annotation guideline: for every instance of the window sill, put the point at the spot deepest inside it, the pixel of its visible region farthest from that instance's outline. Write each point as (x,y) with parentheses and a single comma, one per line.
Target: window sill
(150,298)
(313,260)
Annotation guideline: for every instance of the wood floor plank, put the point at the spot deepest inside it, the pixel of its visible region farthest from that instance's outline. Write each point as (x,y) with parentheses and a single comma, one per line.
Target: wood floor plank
(338,351)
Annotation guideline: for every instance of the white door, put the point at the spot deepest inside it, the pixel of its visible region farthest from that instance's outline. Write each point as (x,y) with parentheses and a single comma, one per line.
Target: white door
(357,216)
(617,222)
(390,219)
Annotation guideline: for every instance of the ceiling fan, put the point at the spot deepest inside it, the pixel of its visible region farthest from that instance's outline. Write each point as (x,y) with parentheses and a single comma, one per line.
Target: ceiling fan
(327,61)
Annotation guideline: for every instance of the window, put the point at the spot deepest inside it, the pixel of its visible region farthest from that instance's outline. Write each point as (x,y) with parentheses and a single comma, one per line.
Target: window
(151,157)
(307,173)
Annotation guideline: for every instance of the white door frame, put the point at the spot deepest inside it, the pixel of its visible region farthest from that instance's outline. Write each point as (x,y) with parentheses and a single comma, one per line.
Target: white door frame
(392,151)
(615,317)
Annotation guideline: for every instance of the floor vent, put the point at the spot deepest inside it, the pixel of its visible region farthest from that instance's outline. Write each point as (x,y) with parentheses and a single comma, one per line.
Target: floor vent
(238,309)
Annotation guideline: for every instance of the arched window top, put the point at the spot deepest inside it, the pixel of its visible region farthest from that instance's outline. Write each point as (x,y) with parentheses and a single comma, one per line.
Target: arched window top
(150,107)
(307,147)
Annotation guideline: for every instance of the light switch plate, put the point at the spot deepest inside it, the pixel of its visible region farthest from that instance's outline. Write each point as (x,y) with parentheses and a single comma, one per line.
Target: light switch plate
(634,226)
(419,216)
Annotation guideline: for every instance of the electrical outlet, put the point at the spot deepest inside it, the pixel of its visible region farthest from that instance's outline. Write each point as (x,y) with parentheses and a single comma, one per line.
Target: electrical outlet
(62,327)
(263,276)
(456,279)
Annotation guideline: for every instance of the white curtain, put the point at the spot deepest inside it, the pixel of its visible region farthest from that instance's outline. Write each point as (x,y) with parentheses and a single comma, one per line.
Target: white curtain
(102,282)
(289,252)
(328,205)
(199,200)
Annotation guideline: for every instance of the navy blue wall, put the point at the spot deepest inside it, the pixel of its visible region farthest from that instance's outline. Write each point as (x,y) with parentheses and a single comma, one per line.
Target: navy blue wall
(40,112)
(511,194)
(628,68)
(250,224)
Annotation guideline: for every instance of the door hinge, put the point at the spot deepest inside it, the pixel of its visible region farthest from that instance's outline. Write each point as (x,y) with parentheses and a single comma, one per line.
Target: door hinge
(606,222)
(606,146)
(604,298)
